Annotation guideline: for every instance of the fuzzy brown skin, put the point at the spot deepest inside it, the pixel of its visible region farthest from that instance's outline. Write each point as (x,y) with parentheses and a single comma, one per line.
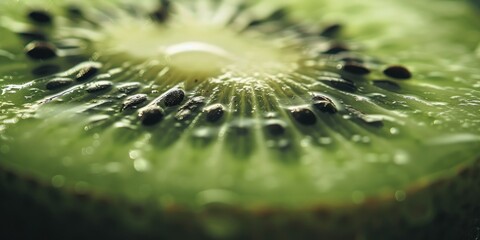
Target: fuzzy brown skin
(443,209)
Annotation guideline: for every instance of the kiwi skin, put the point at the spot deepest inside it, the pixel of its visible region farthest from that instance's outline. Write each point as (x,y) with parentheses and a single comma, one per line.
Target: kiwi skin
(31,208)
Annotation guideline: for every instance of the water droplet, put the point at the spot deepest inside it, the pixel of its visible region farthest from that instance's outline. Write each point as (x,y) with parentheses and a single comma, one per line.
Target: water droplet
(356,138)
(325,140)
(87,151)
(400,195)
(401,158)
(113,167)
(58,181)
(141,165)
(306,142)
(394,131)
(134,154)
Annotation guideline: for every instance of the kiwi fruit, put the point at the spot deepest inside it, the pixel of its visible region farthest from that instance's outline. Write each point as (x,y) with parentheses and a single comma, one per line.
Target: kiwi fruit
(239,119)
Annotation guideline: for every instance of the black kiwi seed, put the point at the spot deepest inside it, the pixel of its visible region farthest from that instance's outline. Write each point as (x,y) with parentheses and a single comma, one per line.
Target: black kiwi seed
(74,11)
(275,15)
(303,115)
(162,13)
(214,112)
(174,97)
(86,73)
(387,85)
(40,16)
(99,86)
(398,72)
(45,70)
(356,69)
(151,115)
(57,83)
(331,31)
(324,104)
(38,50)
(133,101)
(275,127)
(336,49)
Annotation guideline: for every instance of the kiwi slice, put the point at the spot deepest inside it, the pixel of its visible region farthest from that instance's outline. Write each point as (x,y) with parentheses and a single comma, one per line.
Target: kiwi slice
(240,119)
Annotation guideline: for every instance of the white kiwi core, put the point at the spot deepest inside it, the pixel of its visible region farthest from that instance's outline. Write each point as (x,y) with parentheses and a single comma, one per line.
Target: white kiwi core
(198,48)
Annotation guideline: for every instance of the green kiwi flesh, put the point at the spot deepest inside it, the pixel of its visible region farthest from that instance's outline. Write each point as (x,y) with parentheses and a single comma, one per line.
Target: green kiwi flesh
(241,119)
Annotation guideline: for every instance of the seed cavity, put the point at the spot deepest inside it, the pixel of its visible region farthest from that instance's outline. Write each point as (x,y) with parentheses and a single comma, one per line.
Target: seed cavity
(151,115)
(372,120)
(387,85)
(128,88)
(356,69)
(339,83)
(173,97)
(183,114)
(352,60)
(57,83)
(45,70)
(278,14)
(398,72)
(214,112)
(303,115)
(39,50)
(324,104)
(275,127)
(40,17)
(240,128)
(133,101)
(98,86)
(332,31)
(336,49)
(187,110)
(32,35)
(87,72)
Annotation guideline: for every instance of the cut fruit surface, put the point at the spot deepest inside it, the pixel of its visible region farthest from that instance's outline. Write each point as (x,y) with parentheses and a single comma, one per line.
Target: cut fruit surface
(244,103)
